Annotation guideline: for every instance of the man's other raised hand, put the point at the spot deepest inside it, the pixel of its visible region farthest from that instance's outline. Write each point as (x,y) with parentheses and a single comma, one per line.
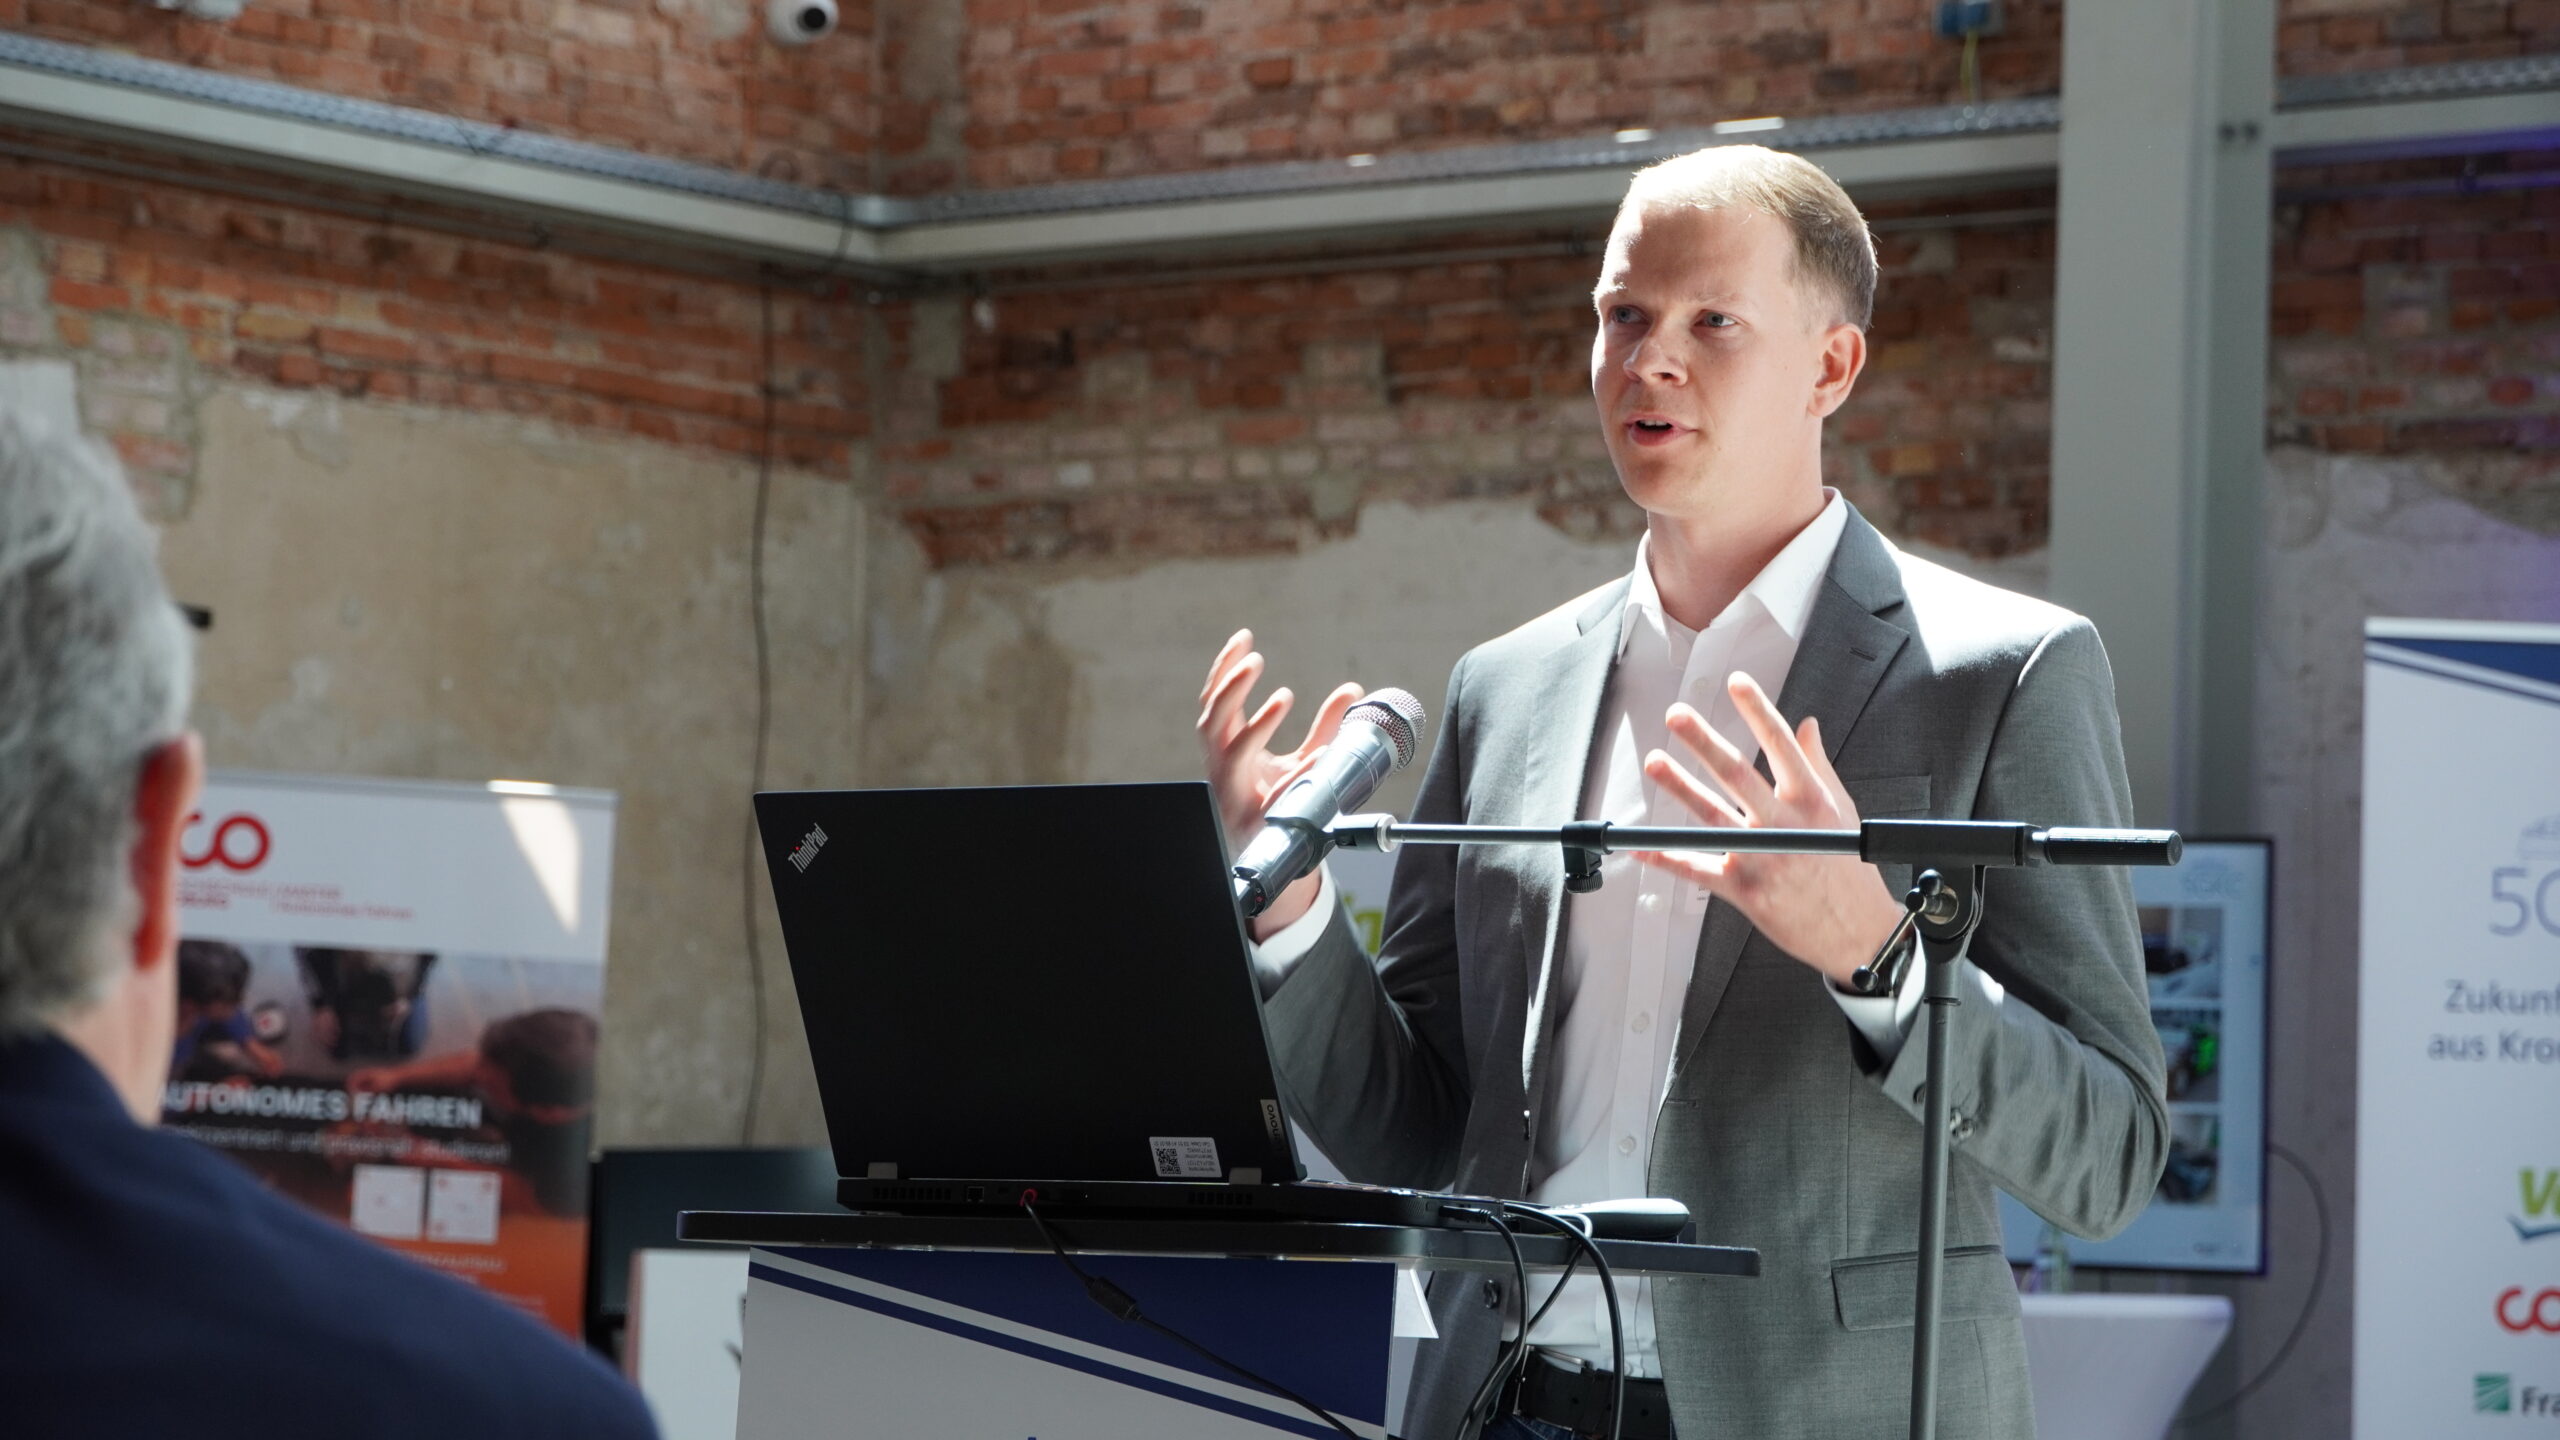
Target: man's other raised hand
(1245,771)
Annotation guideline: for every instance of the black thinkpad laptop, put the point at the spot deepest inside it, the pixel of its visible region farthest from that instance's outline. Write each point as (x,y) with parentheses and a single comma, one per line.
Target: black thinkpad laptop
(1038,987)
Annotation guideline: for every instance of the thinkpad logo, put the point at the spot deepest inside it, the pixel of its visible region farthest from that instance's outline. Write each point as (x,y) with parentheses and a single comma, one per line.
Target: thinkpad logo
(808,848)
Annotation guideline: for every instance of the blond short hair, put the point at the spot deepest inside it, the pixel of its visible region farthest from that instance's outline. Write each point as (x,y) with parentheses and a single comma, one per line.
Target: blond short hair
(1833,248)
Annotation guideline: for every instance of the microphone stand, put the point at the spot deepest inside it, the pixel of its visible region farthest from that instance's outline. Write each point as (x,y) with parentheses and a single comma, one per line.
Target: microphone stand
(1950,860)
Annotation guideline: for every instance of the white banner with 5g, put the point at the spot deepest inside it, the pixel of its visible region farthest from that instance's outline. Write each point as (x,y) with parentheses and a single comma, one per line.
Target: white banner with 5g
(2457,1328)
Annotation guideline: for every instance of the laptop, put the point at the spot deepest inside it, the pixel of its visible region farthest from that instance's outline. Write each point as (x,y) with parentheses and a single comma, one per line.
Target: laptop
(1039,988)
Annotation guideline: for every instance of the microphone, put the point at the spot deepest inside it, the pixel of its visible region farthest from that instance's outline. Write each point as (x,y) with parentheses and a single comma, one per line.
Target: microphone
(1379,737)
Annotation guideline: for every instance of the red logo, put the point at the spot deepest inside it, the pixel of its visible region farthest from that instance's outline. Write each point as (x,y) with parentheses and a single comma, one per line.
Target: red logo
(239,843)
(2516,1314)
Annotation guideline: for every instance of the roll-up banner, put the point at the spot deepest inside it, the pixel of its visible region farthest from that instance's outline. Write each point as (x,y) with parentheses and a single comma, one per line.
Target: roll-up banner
(2457,1293)
(388,996)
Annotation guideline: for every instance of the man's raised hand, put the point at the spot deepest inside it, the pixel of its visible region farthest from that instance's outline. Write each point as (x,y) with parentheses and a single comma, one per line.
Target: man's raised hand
(1829,911)
(1243,769)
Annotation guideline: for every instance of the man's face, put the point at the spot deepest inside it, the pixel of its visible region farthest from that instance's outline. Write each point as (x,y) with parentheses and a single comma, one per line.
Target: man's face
(1710,359)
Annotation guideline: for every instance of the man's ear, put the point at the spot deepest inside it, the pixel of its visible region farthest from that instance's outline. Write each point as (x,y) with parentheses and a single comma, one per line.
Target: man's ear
(163,805)
(1844,354)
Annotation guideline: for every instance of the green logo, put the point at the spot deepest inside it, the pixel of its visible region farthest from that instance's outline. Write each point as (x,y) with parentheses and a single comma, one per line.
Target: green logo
(2489,1394)
(2541,1197)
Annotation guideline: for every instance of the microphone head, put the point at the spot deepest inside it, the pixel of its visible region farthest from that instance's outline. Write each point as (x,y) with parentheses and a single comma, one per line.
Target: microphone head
(1398,714)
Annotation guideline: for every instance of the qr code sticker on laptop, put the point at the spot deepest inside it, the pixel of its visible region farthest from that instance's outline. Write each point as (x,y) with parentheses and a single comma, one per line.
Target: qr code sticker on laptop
(1186,1157)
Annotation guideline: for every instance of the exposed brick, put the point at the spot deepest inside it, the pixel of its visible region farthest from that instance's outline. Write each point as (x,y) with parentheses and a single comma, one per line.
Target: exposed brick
(656,78)
(85,295)
(271,326)
(2481,256)
(519,339)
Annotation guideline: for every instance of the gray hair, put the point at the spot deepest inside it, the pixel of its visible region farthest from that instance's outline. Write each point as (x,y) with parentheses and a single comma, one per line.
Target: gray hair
(95,667)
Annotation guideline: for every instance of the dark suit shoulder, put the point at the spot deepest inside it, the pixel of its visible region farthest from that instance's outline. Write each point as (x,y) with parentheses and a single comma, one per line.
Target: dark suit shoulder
(134,1252)
(1526,647)
(1963,623)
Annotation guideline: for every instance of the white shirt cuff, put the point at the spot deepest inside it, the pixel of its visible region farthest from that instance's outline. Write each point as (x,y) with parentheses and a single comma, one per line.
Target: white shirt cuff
(1274,958)
(1885,1019)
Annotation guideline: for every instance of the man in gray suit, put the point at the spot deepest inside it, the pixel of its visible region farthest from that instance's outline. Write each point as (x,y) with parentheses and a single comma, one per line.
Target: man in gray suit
(1687,1030)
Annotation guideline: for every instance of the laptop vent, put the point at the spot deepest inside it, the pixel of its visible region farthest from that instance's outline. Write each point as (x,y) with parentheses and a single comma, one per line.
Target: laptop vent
(1229,1198)
(914,1194)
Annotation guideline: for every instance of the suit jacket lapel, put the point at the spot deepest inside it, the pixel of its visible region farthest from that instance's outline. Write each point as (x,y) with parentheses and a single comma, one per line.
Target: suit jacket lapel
(1568,710)
(1846,647)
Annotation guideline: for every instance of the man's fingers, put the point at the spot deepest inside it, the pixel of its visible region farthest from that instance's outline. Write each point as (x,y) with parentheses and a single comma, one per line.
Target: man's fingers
(1326,723)
(1257,732)
(1786,757)
(1237,645)
(1222,712)
(1703,869)
(1809,735)
(1750,793)
(1700,801)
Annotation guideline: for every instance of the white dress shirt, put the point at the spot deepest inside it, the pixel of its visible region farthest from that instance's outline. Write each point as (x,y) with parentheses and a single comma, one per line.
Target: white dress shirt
(1630,945)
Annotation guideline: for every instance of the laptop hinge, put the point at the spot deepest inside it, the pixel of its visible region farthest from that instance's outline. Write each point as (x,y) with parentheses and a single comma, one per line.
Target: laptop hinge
(881,1170)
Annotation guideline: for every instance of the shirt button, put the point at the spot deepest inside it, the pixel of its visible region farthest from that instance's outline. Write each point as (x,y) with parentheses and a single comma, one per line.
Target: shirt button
(1642,1023)
(1626,1144)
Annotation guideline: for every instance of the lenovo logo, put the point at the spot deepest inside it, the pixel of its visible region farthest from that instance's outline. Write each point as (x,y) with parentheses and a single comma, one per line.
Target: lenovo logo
(808,848)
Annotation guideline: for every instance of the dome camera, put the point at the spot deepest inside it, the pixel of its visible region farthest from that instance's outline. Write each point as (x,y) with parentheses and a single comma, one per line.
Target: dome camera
(797,22)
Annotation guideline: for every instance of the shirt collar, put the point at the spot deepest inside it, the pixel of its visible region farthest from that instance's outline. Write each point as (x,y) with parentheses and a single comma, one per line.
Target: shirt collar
(1784,588)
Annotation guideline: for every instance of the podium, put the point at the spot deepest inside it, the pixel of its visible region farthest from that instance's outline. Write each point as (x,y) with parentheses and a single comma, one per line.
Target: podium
(910,1327)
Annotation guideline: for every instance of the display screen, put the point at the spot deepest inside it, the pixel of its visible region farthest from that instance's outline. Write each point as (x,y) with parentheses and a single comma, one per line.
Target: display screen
(2204,943)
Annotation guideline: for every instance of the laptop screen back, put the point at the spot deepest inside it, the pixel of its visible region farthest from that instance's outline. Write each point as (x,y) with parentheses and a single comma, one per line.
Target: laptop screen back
(1025,983)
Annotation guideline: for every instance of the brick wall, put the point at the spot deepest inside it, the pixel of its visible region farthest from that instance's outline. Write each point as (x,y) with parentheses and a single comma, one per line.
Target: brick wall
(2411,321)
(157,291)
(2318,37)
(990,93)
(1233,416)
(695,79)
(998,92)
(1058,89)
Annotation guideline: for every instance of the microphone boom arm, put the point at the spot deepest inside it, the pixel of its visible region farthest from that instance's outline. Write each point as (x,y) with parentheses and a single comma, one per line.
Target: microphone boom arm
(1941,843)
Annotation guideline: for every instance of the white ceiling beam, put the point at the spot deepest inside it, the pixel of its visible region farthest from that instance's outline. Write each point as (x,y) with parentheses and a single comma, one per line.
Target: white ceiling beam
(2471,124)
(1421,206)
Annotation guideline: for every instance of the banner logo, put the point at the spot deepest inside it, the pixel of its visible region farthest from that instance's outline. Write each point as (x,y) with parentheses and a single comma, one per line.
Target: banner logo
(808,848)
(2528,902)
(2518,1315)
(2490,1396)
(2541,1202)
(239,843)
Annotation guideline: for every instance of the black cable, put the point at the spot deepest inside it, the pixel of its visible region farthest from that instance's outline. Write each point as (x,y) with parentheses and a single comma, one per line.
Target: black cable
(748,867)
(2310,1301)
(1120,1305)
(1572,1263)
(1608,1288)
(1490,1391)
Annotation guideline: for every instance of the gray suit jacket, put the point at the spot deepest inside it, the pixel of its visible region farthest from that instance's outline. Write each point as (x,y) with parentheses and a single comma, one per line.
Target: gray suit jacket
(1938,696)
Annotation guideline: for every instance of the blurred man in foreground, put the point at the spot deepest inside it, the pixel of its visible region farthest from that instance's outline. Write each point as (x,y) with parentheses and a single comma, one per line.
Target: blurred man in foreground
(152,1288)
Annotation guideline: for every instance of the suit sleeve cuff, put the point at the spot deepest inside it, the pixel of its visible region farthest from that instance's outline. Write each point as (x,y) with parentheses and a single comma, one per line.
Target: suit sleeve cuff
(1885,1020)
(1274,958)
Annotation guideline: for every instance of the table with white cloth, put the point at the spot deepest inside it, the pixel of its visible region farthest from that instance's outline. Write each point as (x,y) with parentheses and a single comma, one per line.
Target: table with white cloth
(2117,1367)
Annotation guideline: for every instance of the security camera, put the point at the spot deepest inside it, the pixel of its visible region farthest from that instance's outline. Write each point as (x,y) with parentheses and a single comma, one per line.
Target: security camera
(797,22)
